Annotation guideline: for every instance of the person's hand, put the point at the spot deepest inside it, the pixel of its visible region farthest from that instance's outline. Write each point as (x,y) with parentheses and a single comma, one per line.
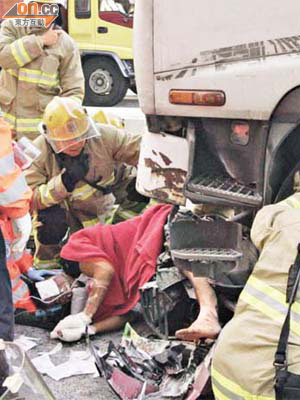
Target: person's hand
(51,36)
(72,328)
(75,172)
(38,275)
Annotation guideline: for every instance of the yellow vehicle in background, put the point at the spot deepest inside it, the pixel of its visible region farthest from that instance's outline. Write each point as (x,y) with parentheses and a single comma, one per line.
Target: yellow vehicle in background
(103,31)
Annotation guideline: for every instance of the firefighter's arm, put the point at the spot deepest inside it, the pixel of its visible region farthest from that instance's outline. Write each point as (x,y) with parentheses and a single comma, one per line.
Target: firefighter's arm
(74,326)
(47,191)
(262,226)
(45,194)
(71,74)
(16,52)
(264,223)
(125,147)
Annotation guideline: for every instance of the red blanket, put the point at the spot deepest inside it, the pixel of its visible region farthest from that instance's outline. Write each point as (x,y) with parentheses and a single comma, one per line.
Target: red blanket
(132,247)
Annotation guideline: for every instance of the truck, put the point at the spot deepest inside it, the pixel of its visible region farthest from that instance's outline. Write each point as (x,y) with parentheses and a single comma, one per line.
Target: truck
(103,32)
(219,83)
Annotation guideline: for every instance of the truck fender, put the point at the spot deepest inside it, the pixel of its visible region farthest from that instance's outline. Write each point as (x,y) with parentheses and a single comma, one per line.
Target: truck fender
(121,64)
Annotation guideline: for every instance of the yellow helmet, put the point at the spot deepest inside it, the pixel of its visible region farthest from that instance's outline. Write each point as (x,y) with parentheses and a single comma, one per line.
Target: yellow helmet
(65,119)
(104,117)
(65,122)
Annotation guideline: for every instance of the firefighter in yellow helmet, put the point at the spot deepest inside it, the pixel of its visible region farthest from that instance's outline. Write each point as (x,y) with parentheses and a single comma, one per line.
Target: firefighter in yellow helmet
(74,177)
(37,64)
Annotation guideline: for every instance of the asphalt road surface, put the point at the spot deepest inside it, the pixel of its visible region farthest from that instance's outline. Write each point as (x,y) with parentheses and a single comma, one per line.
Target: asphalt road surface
(80,387)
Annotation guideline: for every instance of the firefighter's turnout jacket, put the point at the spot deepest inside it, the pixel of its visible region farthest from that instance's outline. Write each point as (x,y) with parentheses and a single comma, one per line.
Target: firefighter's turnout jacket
(33,74)
(243,361)
(14,203)
(86,205)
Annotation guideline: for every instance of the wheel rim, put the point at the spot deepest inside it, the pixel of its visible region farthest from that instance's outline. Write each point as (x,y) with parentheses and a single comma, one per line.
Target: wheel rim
(101,82)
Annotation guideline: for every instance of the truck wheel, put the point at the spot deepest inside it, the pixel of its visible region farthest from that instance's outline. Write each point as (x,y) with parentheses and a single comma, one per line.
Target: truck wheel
(104,83)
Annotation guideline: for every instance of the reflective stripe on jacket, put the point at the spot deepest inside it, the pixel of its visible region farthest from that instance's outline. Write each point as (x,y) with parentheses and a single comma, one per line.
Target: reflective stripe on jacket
(21,294)
(33,74)
(85,203)
(14,192)
(243,361)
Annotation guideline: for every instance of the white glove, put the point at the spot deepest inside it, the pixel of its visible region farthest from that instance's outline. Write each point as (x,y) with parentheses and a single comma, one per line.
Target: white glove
(22,229)
(72,328)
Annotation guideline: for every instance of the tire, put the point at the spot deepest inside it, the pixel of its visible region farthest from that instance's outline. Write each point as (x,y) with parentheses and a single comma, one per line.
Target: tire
(104,83)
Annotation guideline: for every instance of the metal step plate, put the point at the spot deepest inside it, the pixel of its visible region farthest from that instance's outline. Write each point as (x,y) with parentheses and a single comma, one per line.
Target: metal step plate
(224,187)
(206,254)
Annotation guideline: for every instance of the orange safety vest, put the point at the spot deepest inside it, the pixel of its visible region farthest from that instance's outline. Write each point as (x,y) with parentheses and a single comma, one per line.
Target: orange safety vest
(15,196)
(21,294)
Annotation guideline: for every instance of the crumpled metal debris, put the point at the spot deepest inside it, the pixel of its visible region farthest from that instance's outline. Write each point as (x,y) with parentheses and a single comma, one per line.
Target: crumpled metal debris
(150,369)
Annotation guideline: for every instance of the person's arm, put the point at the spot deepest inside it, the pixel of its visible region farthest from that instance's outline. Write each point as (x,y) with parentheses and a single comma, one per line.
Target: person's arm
(262,226)
(47,191)
(123,146)
(71,74)
(16,52)
(74,326)
(101,273)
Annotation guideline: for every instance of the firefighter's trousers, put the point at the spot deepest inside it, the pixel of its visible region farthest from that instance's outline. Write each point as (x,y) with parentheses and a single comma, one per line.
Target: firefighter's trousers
(58,221)
(52,226)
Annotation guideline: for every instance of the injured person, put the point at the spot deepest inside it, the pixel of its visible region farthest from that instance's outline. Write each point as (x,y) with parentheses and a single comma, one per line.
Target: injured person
(118,260)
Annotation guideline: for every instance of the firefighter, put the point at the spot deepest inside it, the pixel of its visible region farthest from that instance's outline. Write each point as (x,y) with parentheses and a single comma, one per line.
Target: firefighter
(243,363)
(72,179)
(37,64)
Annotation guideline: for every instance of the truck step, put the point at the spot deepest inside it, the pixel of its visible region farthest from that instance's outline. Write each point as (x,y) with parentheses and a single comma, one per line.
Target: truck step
(225,188)
(206,254)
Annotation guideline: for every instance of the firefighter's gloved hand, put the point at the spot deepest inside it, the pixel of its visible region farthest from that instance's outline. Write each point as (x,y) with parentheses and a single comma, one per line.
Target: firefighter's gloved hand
(38,275)
(72,328)
(75,171)
(22,229)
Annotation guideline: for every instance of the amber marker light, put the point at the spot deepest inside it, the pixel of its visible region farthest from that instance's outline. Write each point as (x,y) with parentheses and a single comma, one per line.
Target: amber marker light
(212,98)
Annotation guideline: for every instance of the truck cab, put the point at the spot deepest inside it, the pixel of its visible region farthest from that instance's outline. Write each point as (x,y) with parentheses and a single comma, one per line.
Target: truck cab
(220,86)
(103,32)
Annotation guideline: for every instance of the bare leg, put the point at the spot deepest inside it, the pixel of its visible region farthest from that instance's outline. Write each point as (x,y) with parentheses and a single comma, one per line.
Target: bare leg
(206,325)
(113,323)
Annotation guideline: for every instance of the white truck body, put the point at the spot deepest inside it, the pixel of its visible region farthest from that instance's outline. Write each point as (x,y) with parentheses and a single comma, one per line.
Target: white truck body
(250,51)
(242,48)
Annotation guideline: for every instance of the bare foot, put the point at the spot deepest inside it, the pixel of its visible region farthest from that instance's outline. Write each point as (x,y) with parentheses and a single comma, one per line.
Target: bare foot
(205,326)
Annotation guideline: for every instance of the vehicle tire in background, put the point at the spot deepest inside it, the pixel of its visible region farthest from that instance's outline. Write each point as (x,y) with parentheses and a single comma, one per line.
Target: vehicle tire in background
(104,83)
